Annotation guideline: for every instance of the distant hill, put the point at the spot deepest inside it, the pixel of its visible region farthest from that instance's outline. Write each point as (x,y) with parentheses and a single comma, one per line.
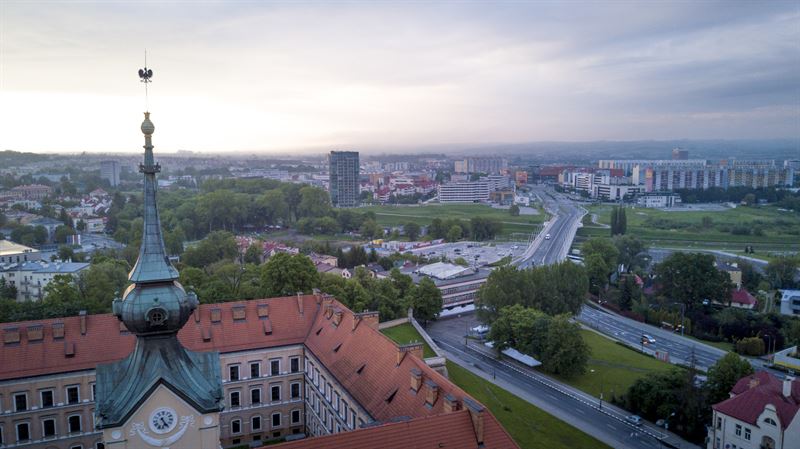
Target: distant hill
(10,158)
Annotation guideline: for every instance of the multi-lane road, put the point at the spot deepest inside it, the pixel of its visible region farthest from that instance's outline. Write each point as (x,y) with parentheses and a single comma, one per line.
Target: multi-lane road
(599,419)
(561,229)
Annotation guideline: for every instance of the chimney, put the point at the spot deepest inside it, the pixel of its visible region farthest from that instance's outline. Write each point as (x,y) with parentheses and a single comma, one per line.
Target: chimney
(82,315)
(476,412)
(416,379)
(431,392)
(337,317)
(450,403)
(413,348)
(369,318)
(787,386)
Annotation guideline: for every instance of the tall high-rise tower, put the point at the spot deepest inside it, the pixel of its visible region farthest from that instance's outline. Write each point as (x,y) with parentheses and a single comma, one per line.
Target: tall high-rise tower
(344,185)
(161,394)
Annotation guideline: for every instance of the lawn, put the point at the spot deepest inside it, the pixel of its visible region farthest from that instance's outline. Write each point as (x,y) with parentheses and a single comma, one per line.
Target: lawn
(724,345)
(530,426)
(406,333)
(612,368)
(423,215)
(780,230)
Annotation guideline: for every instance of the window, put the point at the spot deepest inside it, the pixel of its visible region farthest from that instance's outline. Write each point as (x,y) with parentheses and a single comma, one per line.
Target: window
(328,393)
(94,392)
(233,372)
(274,367)
(344,410)
(255,423)
(295,390)
(23,432)
(73,395)
(1,437)
(100,446)
(738,430)
(295,416)
(255,396)
(275,393)
(235,399)
(353,420)
(770,421)
(255,369)
(336,401)
(20,402)
(74,423)
(77,446)
(236,426)
(276,420)
(747,433)
(47,398)
(48,427)
(294,364)
(322,386)
(719,422)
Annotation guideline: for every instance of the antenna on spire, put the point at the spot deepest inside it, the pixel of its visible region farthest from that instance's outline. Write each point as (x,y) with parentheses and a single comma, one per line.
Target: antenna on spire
(144,76)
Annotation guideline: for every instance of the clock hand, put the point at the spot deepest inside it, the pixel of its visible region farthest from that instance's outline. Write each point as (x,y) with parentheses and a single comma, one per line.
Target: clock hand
(164,422)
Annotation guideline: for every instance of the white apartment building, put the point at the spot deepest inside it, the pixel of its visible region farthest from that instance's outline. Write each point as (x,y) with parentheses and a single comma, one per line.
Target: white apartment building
(790,302)
(464,192)
(11,252)
(760,414)
(658,200)
(30,278)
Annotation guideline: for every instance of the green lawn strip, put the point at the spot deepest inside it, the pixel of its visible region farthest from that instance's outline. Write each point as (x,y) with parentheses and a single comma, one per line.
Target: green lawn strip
(724,345)
(612,367)
(530,426)
(406,333)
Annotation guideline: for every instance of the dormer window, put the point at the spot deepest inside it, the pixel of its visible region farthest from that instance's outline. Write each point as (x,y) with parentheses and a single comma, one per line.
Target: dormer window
(770,421)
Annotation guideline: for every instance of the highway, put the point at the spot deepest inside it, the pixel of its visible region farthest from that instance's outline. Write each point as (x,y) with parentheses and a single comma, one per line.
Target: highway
(606,422)
(564,221)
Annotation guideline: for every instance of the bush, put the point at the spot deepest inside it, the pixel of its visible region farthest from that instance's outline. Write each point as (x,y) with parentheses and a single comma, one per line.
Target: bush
(740,230)
(750,346)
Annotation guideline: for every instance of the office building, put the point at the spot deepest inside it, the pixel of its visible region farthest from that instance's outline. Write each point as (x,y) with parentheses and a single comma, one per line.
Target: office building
(109,170)
(344,185)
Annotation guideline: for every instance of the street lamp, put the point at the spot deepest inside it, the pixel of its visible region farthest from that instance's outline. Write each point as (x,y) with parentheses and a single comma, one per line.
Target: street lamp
(601,390)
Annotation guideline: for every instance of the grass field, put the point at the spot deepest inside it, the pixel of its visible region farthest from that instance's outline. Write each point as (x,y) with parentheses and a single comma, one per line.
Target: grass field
(530,426)
(770,230)
(612,368)
(423,215)
(405,333)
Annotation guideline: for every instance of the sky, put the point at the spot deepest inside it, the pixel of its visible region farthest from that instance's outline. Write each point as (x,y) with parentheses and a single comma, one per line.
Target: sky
(253,76)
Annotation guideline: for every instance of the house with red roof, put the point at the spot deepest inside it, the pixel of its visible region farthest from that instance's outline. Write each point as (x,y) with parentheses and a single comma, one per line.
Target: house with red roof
(760,414)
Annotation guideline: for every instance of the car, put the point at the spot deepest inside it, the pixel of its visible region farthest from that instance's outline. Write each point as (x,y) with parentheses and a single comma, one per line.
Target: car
(547,237)
(636,420)
(648,339)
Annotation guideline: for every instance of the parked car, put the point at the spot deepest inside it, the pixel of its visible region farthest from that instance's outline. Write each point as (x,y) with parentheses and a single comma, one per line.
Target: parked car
(636,420)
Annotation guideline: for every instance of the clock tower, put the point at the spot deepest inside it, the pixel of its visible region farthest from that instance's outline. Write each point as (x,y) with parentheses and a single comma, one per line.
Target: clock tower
(161,395)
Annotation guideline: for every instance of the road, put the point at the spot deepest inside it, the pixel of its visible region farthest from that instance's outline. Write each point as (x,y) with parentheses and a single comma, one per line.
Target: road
(606,423)
(562,226)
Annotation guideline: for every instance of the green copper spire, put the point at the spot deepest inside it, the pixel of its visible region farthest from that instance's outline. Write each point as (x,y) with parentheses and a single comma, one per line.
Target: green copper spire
(153,264)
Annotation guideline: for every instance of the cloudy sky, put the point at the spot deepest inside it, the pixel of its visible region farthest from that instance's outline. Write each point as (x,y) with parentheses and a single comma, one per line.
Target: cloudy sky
(277,76)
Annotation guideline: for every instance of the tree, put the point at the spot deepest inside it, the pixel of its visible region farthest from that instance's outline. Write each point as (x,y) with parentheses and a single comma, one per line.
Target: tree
(632,252)
(514,210)
(484,228)
(411,230)
(314,202)
(454,233)
(253,253)
(426,300)
(506,286)
(461,261)
(217,246)
(629,293)
(604,248)
(285,275)
(565,352)
(437,229)
(619,222)
(62,233)
(598,272)
(724,374)
(749,199)
(65,252)
(781,272)
(371,230)
(691,278)
(750,277)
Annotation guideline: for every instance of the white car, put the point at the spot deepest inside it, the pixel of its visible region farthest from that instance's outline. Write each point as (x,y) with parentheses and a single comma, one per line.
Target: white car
(636,420)
(547,237)
(648,339)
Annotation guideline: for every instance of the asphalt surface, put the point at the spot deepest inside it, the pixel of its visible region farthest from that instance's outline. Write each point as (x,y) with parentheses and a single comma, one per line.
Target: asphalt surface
(606,423)
(562,228)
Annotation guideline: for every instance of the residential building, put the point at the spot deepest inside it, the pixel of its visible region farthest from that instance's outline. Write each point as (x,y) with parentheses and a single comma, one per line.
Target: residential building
(31,192)
(464,192)
(487,165)
(31,278)
(110,170)
(790,302)
(344,185)
(760,414)
(11,252)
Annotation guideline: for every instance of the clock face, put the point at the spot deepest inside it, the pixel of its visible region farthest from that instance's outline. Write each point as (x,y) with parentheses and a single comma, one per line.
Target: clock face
(163,420)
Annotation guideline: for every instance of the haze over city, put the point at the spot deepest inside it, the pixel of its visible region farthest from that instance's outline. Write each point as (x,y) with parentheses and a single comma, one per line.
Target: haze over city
(270,77)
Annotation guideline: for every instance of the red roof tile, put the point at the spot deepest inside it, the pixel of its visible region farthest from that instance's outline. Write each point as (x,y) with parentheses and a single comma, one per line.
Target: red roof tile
(742,296)
(450,430)
(754,392)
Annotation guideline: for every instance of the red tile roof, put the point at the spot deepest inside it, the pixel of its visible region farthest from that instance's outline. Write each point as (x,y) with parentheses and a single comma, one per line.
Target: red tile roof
(451,430)
(104,342)
(742,296)
(754,392)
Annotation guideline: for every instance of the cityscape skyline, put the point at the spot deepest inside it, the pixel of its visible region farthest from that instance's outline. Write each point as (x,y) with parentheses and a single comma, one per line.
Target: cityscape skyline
(274,80)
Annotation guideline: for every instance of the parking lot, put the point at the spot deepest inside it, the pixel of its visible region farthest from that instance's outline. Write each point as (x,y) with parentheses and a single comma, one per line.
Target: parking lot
(472,252)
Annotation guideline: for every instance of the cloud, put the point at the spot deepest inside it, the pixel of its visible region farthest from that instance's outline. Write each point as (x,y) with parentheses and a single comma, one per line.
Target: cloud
(267,76)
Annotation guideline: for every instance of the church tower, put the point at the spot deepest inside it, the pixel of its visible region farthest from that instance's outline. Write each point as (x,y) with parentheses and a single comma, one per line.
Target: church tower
(161,395)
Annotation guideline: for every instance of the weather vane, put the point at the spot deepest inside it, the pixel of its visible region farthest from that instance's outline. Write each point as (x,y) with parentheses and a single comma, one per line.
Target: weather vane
(144,76)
